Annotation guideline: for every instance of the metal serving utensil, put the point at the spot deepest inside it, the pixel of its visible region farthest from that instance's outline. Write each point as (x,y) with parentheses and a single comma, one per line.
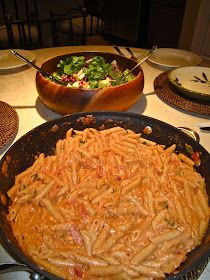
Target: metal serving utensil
(205,128)
(131,53)
(189,131)
(204,125)
(151,52)
(43,72)
(136,58)
(118,50)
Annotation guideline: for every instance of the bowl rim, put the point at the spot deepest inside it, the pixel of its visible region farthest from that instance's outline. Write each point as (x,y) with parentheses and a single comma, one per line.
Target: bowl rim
(88,89)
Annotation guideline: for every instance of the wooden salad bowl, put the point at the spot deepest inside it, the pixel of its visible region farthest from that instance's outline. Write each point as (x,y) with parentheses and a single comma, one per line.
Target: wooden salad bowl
(67,100)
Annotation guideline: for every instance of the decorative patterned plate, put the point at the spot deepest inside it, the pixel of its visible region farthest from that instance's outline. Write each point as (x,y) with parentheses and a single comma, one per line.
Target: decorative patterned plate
(9,61)
(173,58)
(193,81)
(165,90)
(9,123)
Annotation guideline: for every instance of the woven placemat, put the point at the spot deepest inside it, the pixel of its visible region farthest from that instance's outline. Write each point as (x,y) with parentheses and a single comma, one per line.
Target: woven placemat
(9,123)
(167,92)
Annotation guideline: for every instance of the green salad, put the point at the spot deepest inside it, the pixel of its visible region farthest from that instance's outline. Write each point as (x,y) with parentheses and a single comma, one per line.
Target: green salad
(76,71)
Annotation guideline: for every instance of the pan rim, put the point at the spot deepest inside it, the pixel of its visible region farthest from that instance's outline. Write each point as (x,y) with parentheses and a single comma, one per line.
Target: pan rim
(62,120)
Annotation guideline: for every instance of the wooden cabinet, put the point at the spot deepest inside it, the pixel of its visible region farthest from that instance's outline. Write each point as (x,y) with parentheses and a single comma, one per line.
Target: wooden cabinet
(130,22)
(144,23)
(165,22)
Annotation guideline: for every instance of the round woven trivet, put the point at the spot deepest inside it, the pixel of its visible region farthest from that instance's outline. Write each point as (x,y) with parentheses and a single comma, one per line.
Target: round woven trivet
(165,90)
(9,123)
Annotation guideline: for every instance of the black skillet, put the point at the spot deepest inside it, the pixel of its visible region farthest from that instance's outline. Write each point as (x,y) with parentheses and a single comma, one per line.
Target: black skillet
(43,138)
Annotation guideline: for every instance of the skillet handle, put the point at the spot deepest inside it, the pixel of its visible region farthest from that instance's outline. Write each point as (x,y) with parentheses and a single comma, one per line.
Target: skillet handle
(11,267)
(192,133)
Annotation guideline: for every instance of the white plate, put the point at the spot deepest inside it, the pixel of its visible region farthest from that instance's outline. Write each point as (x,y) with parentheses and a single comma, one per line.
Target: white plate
(193,81)
(9,61)
(174,58)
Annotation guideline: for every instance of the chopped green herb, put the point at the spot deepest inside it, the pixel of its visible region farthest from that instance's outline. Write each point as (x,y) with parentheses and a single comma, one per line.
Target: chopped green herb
(165,205)
(189,149)
(169,222)
(195,156)
(35,177)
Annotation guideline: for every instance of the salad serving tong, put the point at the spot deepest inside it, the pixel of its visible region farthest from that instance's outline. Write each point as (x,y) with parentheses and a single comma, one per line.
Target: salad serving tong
(31,64)
(151,52)
(136,58)
(129,51)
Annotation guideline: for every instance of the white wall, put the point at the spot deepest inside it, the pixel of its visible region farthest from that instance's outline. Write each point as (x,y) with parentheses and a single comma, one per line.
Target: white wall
(201,37)
(195,34)
(189,23)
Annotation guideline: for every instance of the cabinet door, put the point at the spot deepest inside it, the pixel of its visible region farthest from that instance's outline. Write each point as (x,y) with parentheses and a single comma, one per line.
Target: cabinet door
(165,23)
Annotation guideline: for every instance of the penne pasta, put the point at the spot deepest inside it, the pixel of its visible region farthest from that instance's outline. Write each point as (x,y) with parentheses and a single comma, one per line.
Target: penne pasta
(89,260)
(103,234)
(87,242)
(109,204)
(186,159)
(61,262)
(150,203)
(46,189)
(147,142)
(203,202)
(143,253)
(49,207)
(132,185)
(102,196)
(149,271)
(166,236)
(187,193)
(169,150)
(109,242)
(104,271)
